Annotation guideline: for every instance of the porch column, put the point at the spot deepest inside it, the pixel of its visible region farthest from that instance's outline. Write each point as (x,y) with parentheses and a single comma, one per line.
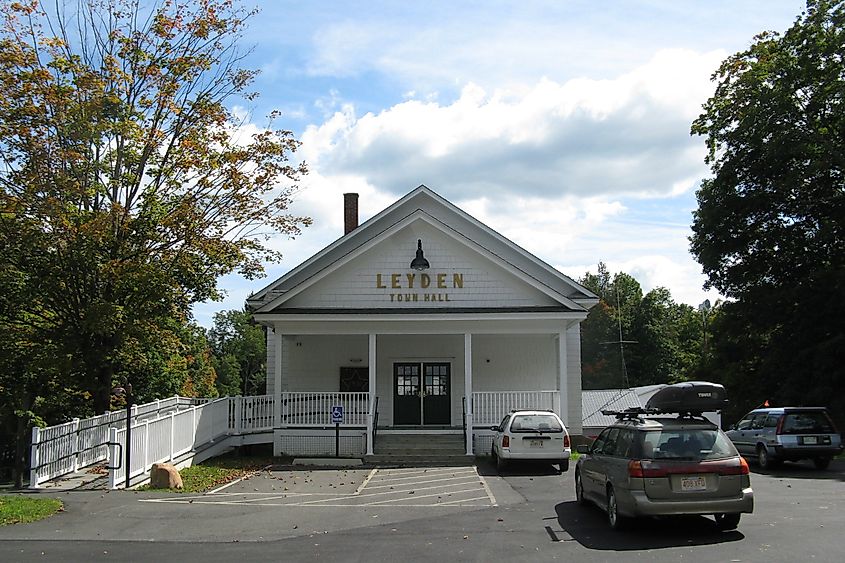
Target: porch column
(562,378)
(277,374)
(372,388)
(468,389)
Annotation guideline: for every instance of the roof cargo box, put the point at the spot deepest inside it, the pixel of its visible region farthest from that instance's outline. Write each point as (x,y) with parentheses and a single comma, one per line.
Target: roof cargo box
(690,396)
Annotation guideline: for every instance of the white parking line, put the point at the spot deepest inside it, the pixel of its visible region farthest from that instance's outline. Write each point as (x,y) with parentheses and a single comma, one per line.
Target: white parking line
(439,494)
(388,474)
(461,501)
(366,480)
(423,482)
(375,490)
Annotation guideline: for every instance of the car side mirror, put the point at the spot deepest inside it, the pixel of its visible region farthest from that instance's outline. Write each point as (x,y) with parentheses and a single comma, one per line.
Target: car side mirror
(494,428)
(583,449)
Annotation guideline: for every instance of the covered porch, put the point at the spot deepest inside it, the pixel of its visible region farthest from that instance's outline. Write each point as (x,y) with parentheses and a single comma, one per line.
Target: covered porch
(389,379)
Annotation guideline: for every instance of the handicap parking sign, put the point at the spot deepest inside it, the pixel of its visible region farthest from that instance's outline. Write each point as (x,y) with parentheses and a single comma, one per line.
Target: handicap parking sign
(337,414)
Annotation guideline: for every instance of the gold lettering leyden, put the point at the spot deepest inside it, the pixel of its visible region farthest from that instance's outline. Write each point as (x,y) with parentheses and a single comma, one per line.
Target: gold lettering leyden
(423,281)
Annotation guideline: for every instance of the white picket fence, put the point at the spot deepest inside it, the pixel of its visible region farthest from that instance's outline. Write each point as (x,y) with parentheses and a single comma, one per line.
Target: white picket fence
(65,448)
(489,407)
(166,438)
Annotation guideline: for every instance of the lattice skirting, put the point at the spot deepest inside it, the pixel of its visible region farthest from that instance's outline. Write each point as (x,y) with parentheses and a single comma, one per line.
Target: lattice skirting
(318,443)
(482,442)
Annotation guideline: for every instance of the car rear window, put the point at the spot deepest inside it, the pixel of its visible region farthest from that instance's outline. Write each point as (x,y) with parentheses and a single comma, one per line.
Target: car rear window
(693,445)
(535,423)
(804,422)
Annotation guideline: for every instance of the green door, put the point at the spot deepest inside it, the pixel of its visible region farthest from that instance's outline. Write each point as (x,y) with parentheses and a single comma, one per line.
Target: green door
(407,404)
(436,403)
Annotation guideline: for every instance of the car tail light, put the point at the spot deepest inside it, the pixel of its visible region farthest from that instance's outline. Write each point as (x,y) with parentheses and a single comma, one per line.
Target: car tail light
(779,428)
(647,468)
(650,469)
(635,469)
(506,441)
(566,442)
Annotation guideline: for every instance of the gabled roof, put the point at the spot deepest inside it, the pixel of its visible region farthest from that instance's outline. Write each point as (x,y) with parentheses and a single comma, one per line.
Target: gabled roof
(422,204)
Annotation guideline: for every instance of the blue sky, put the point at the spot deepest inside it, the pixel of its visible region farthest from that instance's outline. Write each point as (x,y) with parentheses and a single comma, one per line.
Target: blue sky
(564,125)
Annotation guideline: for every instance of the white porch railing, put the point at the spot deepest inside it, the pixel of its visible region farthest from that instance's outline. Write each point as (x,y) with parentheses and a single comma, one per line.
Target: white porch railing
(314,409)
(251,414)
(65,448)
(489,407)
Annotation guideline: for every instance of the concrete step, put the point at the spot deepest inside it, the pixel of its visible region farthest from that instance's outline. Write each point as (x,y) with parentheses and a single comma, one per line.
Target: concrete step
(420,460)
(420,452)
(420,438)
(420,444)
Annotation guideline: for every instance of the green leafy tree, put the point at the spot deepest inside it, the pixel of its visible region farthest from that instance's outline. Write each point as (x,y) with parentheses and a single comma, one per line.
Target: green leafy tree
(661,341)
(769,230)
(240,353)
(127,176)
(604,358)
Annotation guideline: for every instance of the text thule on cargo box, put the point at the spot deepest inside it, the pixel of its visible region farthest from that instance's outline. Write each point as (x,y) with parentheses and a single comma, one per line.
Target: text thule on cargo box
(690,396)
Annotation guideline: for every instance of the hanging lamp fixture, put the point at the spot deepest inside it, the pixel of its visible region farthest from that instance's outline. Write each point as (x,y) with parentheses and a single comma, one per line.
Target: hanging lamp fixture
(420,263)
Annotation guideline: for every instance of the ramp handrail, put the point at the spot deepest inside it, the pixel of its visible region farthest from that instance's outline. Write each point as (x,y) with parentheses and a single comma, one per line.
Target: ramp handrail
(65,448)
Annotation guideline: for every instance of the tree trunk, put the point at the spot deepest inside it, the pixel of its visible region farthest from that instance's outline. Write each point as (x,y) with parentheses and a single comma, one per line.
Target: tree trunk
(102,393)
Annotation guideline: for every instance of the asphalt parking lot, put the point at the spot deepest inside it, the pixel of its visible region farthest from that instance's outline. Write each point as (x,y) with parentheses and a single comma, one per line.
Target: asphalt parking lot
(399,487)
(529,513)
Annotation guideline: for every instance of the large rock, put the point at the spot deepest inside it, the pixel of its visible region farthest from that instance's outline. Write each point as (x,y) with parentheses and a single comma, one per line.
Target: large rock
(165,476)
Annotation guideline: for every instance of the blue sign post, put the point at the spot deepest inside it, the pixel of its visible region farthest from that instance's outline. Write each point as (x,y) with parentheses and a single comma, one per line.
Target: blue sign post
(337,419)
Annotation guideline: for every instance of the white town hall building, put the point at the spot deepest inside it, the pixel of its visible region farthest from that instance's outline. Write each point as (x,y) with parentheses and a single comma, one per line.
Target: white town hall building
(420,320)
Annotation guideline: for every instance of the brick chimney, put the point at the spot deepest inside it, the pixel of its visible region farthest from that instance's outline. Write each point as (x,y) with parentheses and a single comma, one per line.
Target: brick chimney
(350,213)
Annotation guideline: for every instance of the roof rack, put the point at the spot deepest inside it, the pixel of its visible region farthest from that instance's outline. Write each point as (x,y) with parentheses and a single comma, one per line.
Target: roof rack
(637,412)
(629,413)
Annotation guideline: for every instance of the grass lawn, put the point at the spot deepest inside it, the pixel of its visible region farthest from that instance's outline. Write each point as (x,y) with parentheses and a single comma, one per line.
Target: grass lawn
(19,509)
(215,472)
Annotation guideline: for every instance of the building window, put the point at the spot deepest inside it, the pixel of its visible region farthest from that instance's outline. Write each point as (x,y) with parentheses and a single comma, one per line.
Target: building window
(354,379)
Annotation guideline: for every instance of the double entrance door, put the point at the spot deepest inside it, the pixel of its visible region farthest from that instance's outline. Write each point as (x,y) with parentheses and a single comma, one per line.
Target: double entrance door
(421,393)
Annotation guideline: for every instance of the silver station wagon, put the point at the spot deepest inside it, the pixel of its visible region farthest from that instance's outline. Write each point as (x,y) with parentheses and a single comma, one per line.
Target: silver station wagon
(776,434)
(651,464)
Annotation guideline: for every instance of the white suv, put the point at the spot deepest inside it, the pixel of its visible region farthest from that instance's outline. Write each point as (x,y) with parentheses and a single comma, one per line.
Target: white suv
(531,435)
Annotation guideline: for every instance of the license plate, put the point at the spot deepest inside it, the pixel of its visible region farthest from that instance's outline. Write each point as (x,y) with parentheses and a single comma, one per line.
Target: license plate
(693,484)
(535,443)
(811,440)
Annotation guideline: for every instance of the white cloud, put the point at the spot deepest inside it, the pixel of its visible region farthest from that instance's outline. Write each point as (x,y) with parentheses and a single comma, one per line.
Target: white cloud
(442,43)
(629,135)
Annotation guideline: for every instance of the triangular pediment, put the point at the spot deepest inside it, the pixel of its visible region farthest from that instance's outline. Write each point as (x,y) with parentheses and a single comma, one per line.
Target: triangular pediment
(471,268)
